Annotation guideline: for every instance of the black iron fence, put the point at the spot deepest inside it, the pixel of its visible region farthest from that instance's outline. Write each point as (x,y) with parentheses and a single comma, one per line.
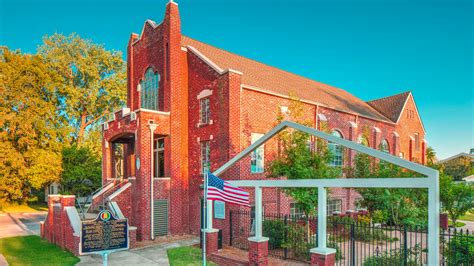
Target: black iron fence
(356,243)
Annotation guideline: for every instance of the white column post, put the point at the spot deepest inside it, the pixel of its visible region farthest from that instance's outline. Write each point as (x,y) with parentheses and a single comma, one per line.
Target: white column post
(209,214)
(433,220)
(258,212)
(258,217)
(322,248)
(152,219)
(322,213)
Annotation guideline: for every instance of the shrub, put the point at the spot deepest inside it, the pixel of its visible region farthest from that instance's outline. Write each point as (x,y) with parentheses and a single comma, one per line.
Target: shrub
(395,257)
(363,219)
(379,216)
(368,234)
(275,231)
(460,250)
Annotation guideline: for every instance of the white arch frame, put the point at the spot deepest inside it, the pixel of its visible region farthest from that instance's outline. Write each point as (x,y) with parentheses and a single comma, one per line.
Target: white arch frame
(431,182)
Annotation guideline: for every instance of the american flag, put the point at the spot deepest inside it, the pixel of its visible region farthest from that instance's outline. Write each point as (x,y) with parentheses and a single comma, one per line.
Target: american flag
(218,189)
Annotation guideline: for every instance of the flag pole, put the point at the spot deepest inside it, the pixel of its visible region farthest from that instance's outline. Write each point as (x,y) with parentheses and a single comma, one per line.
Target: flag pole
(205,219)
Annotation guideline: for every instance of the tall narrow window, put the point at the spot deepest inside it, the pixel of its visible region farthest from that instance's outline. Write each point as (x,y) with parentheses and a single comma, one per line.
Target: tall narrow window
(204,111)
(384,146)
(257,156)
(417,142)
(159,157)
(205,156)
(336,151)
(362,139)
(149,90)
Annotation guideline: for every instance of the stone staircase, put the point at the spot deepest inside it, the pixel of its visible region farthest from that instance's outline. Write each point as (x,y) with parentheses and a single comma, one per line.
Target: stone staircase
(90,206)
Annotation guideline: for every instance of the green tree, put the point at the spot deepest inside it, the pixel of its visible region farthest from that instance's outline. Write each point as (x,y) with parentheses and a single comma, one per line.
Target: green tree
(92,80)
(31,133)
(456,198)
(430,155)
(399,205)
(298,161)
(81,171)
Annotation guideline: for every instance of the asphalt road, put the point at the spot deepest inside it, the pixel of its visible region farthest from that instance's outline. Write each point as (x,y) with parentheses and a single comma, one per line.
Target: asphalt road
(20,224)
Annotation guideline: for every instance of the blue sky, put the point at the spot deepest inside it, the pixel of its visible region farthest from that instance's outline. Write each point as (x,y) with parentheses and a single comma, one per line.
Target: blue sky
(371,48)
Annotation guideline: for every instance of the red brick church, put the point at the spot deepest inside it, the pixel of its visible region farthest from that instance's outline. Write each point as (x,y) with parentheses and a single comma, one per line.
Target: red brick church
(191,104)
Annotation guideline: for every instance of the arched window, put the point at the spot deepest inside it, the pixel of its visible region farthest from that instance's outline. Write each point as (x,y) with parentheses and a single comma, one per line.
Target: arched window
(384,146)
(149,90)
(362,139)
(336,151)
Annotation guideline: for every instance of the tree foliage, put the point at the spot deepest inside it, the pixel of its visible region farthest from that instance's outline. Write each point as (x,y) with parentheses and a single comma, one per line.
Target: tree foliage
(31,133)
(52,101)
(92,79)
(82,171)
(456,198)
(298,160)
(397,205)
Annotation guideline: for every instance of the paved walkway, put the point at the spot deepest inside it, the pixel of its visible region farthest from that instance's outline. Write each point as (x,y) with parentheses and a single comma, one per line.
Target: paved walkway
(20,224)
(469,226)
(154,255)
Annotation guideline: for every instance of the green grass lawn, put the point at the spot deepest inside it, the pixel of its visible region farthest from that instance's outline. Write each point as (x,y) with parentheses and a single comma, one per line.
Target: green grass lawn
(467,217)
(458,224)
(32,250)
(186,256)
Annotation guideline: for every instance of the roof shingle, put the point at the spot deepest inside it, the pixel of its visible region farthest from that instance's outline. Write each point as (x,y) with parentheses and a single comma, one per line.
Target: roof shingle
(279,81)
(391,106)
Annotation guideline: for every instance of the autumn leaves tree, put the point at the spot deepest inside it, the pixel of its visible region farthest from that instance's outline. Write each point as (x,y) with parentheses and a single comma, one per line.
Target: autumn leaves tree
(31,131)
(51,101)
(92,80)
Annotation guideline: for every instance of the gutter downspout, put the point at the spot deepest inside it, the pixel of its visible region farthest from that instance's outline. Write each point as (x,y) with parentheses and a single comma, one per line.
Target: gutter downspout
(152,220)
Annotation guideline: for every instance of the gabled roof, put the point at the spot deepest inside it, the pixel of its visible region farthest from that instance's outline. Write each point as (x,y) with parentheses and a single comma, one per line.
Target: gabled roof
(271,79)
(391,106)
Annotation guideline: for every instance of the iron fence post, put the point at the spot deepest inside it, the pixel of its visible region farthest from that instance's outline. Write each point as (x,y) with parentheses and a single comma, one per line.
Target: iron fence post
(230,228)
(405,248)
(286,236)
(352,250)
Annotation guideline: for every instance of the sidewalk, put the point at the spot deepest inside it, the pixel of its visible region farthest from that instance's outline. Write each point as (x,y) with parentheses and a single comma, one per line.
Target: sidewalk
(20,224)
(469,226)
(152,255)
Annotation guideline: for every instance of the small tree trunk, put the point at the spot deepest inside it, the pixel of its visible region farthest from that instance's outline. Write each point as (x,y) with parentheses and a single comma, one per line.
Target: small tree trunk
(82,129)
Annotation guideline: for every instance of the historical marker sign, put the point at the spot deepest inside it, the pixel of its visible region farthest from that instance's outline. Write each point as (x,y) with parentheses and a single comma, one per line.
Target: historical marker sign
(219,209)
(104,234)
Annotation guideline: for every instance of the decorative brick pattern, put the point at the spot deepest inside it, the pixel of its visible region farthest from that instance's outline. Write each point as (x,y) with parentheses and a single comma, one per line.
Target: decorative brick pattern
(211,243)
(323,260)
(258,252)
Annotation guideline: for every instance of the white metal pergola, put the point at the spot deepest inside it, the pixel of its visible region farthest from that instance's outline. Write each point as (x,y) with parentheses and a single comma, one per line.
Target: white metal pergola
(430,182)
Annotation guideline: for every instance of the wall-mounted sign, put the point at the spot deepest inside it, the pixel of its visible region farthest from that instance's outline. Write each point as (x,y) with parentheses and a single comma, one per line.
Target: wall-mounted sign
(104,234)
(137,162)
(219,209)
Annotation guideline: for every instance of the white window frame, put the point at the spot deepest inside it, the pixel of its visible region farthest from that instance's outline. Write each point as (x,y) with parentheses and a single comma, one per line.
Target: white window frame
(295,210)
(156,151)
(334,205)
(336,150)
(204,111)
(149,90)
(257,158)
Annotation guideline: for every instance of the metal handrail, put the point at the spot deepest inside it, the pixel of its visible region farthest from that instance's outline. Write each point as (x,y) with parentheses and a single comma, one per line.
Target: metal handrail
(90,198)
